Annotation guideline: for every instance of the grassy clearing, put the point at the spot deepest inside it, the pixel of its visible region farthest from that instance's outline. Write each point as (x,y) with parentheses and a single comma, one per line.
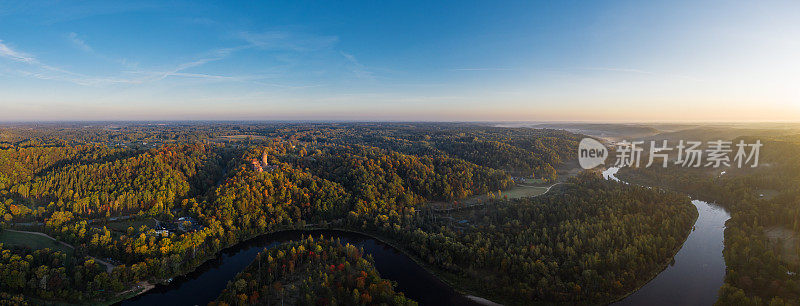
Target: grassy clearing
(123,225)
(530,181)
(568,169)
(523,192)
(787,240)
(767,194)
(519,191)
(32,241)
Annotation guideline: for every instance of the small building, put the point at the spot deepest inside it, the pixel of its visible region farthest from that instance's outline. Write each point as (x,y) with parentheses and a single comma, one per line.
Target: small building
(257,165)
(188,224)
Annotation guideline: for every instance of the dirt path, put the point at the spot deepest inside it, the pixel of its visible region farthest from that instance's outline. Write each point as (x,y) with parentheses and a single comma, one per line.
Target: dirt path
(570,169)
(482,301)
(142,286)
(108,265)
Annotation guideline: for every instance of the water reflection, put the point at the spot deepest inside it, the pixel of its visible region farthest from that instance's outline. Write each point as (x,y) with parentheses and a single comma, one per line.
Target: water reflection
(207,282)
(697,270)
(694,277)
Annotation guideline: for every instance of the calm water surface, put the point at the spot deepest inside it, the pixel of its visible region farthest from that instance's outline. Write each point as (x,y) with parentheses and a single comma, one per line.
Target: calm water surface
(693,278)
(207,282)
(698,269)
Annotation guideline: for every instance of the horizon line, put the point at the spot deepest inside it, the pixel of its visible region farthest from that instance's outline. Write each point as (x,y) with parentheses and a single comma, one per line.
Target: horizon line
(734,122)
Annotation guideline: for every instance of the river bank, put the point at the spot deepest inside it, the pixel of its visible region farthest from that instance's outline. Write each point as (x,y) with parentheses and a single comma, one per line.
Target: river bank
(419,280)
(207,281)
(697,270)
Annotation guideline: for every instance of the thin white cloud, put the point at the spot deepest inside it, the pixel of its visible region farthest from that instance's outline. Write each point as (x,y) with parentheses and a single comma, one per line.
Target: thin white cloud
(215,55)
(136,74)
(285,86)
(204,76)
(356,67)
(8,52)
(79,43)
(611,69)
(22,57)
(282,40)
(639,71)
(39,70)
(482,69)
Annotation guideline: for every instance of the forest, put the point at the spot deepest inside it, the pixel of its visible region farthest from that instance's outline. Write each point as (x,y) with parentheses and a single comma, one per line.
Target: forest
(761,268)
(156,201)
(311,272)
(590,241)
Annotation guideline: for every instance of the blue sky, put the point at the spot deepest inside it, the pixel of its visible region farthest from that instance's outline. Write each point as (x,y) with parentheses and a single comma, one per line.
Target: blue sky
(409,60)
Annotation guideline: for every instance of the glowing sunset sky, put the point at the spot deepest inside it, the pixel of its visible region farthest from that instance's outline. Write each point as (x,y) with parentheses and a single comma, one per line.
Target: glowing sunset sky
(379,60)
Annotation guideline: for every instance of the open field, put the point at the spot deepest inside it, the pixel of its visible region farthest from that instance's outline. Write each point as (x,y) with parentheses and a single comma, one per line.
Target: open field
(519,191)
(32,241)
(767,194)
(788,242)
(527,188)
(122,226)
(522,191)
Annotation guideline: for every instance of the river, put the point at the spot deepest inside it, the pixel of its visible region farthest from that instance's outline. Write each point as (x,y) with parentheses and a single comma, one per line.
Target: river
(693,278)
(207,281)
(698,269)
